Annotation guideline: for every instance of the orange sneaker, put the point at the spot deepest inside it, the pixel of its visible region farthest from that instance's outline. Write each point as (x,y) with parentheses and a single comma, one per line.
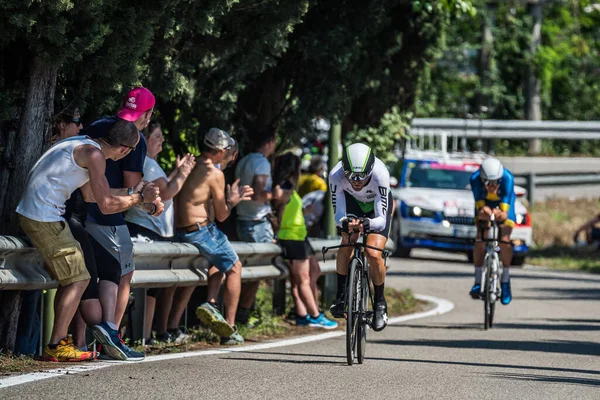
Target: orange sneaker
(66,351)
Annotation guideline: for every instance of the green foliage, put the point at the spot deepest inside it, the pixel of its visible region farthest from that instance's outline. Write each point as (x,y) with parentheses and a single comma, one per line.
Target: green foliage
(381,139)
(566,63)
(242,66)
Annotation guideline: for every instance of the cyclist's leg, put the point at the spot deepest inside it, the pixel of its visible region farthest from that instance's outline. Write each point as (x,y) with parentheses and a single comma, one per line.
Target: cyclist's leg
(377,273)
(375,258)
(479,255)
(343,256)
(506,252)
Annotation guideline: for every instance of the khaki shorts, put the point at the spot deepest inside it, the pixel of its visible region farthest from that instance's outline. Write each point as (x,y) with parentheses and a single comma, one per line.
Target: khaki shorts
(59,249)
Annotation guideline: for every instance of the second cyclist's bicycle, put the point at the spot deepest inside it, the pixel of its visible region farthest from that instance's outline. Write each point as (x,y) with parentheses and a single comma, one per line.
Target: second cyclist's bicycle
(358,293)
(492,272)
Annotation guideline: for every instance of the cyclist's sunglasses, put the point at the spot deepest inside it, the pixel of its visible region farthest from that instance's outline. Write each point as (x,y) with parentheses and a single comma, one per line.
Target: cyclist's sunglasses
(356,176)
(76,120)
(487,182)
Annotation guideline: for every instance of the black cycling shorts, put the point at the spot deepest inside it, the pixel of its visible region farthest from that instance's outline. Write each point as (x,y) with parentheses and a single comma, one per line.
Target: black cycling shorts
(296,249)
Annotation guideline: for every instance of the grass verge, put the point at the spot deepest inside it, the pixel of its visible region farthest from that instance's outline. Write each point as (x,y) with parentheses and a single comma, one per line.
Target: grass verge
(270,327)
(554,223)
(566,258)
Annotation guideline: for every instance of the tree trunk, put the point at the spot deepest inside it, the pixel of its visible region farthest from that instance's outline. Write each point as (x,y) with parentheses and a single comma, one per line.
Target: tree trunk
(22,150)
(27,146)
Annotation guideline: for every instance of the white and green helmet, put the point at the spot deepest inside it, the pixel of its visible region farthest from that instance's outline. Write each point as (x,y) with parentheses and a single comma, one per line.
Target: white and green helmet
(358,161)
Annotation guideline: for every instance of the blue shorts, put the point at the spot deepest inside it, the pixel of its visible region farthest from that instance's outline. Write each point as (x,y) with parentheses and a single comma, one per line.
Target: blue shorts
(255,231)
(213,245)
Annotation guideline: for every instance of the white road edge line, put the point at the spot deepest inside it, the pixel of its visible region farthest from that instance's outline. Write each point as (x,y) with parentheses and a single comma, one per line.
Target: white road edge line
(442,306)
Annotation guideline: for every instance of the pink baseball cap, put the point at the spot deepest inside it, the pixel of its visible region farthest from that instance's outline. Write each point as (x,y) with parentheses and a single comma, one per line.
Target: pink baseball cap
(138,101)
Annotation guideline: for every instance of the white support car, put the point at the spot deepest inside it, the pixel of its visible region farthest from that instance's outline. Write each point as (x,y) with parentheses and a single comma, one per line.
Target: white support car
(435,208)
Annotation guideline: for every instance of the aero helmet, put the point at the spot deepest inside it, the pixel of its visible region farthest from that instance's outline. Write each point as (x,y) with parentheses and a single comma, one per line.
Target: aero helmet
(358,161)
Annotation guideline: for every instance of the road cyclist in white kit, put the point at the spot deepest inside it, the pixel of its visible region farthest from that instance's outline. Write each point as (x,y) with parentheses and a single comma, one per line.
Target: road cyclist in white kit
(362,200)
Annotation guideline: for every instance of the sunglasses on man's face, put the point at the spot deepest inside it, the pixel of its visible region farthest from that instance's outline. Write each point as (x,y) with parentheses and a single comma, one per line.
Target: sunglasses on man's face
(131,148)
(356,176)
(491,183)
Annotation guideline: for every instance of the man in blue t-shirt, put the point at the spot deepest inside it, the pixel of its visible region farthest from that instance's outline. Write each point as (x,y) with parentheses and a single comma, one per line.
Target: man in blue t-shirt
(493,188)
(113,248)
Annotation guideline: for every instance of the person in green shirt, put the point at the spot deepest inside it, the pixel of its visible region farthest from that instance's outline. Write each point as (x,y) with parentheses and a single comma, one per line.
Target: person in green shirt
(293,240)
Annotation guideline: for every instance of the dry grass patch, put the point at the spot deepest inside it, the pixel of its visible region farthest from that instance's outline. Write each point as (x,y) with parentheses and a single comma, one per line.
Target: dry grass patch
(554,223)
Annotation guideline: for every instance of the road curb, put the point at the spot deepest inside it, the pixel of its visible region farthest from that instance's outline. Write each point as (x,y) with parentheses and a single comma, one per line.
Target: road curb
(442,306)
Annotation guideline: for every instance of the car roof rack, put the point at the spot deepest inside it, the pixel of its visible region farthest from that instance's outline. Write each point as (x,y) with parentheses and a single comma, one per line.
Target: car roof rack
(434,145)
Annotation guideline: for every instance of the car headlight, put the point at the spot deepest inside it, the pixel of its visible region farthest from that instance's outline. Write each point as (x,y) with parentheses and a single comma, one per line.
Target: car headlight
(422,212)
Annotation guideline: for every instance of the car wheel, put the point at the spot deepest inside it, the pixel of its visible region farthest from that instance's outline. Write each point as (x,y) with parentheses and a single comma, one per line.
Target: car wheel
(400,251)
(518,261)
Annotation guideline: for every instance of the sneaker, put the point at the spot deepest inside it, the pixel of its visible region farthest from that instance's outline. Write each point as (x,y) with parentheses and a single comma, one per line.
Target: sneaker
(380,319)
(292,314)
(131,354)
(178,337)
(338,308)
(506,293)
(113,346)
(475,292)
(211,317)
(66,351)
(253,322)
(109,339)
(164,337)
(302,321)
(234,339)
(321,322)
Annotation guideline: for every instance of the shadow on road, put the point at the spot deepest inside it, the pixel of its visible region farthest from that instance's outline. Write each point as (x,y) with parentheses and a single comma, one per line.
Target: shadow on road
(461,327)
(556,346)
(290,358)
(469,274)
(286,360)
(568,293)
(507,325)
(546,378)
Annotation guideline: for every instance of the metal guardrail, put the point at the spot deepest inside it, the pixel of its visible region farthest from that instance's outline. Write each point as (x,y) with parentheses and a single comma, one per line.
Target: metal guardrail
(157,264)
(508,129)
(163,265)
(531,181)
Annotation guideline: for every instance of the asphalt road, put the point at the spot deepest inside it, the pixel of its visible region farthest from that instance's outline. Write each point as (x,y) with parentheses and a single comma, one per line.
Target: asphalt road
(545,345)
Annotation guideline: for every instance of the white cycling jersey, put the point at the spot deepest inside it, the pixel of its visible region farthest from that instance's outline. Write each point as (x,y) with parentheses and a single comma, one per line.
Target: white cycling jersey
(372,197)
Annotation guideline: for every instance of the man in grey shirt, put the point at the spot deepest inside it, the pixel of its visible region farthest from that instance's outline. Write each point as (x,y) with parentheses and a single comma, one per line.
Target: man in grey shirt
(252,223)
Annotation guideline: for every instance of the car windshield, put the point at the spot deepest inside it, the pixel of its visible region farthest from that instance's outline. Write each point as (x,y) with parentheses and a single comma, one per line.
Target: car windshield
(437,176)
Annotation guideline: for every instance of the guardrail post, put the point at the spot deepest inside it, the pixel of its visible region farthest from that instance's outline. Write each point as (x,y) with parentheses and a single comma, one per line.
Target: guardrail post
(530,188)
(137,319)
(48,321)
(279,291)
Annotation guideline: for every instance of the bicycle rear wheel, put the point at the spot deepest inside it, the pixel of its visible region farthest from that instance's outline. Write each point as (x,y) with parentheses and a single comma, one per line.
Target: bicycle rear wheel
(353,313)
(361,327)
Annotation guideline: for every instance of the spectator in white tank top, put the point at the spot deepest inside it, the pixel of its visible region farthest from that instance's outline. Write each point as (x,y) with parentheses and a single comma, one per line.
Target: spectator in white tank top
(70,164)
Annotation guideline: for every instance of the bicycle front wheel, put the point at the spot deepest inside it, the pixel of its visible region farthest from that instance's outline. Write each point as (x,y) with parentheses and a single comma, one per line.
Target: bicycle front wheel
(490,302)
(353,313)
(361,327)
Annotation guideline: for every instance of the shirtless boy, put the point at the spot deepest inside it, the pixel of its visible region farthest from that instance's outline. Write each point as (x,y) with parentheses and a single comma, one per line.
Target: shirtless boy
(204,187)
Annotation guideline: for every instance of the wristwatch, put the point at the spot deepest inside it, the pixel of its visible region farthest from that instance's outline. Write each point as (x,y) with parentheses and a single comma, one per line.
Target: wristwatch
(129,191)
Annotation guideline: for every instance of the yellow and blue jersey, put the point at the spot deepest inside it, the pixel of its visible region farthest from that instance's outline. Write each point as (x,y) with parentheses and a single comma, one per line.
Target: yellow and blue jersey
(503,199)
